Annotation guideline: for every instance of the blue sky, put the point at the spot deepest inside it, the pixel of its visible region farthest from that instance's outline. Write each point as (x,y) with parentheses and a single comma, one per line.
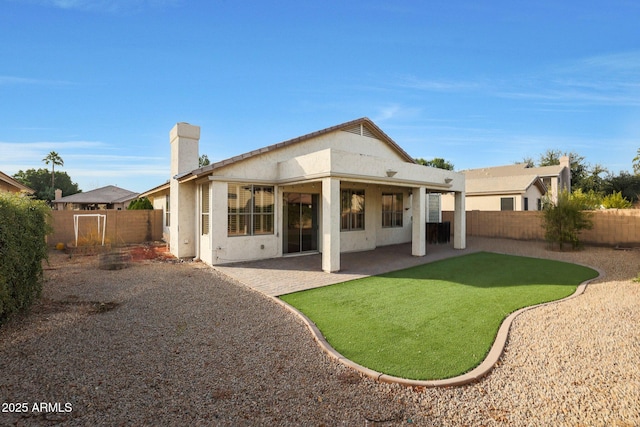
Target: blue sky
(478,83)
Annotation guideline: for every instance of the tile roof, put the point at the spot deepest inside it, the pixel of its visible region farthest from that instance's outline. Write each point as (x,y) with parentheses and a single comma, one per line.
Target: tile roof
(512,170)
(370,126)
(108,194)
(503,184)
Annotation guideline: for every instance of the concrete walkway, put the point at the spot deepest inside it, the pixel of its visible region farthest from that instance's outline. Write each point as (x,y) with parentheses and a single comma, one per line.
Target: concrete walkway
(279,276)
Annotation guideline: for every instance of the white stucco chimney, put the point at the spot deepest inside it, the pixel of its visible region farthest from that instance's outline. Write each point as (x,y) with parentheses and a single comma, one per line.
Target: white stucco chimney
(184,139)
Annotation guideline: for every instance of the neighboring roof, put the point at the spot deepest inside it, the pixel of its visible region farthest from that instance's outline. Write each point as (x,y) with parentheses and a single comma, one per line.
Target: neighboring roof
(12,182)
(368,127)
(513,170)
(503,185)
(157,189)
(108,194)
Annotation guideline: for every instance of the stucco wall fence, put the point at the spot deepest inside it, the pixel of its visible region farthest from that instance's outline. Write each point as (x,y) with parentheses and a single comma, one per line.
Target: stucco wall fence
(611,227)
(122,227)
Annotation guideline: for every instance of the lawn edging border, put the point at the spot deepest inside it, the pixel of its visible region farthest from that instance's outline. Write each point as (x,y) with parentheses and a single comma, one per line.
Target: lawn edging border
(474,375)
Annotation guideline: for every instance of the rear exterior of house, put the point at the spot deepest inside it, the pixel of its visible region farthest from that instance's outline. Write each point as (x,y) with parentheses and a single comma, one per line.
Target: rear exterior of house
(342,189)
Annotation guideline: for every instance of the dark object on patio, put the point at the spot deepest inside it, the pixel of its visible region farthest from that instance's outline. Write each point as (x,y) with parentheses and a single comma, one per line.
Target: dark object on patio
(438,232)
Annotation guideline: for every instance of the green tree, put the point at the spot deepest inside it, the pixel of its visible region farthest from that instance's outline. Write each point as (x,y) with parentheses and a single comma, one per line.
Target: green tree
(550,158)
(139,204)
(39,181)
(203,161)
(528,161)
(436,162)
(564,220)
(55,160)
(636,163)
(625,183)
(593,181)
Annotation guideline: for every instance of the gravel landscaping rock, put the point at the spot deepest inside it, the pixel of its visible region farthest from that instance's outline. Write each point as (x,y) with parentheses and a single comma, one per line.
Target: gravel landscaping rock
(163,343)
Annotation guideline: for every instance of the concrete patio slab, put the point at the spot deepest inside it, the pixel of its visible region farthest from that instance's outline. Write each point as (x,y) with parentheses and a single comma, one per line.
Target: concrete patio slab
(279,276)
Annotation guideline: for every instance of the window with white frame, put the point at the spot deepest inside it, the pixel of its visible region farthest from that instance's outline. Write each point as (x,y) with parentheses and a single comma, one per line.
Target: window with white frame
(392,210)
(250,209)
(352,210)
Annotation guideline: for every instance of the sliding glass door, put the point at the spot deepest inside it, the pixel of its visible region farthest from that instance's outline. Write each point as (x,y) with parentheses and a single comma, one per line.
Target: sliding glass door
(300,222)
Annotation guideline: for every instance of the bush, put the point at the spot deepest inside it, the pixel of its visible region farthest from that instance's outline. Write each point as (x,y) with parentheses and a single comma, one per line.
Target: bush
(142,203)
(587,201)
(23,227)
(564,220)
(616,201)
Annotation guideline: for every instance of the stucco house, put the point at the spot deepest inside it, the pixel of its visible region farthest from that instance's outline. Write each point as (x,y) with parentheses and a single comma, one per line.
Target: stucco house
(108,197)
(10,185)
(516,187)
(345,188)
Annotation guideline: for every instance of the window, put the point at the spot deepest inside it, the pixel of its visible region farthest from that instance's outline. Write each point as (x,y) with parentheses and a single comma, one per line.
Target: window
(434,213)
(392,210)
(506,204)
(526,203)
(250,209)
(167,211)
(352,210)
(204,208)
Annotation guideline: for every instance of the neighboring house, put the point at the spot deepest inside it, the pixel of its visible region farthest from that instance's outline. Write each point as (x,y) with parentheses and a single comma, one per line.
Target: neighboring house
(345,188)
(513,187)
(9,184)
(109,197)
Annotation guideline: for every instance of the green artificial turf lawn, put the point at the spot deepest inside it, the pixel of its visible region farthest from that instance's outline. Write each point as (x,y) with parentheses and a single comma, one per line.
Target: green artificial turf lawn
(437,320)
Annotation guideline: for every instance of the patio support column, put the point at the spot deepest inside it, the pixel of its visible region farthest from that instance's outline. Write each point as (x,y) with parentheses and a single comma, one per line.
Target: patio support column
(330,225)
(459,222)
(419,226)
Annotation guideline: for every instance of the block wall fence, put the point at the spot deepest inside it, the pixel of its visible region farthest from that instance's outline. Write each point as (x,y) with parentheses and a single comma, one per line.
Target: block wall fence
(611,227)
(123,227)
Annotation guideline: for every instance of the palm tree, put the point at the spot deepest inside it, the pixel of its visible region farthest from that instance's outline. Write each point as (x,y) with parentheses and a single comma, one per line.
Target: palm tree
(55,160)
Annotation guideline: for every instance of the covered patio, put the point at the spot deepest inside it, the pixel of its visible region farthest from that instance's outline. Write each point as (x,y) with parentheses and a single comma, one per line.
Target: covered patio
(279,276)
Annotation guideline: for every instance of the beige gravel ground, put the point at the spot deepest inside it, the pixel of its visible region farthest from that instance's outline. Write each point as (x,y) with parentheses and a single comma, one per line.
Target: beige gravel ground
(180,344)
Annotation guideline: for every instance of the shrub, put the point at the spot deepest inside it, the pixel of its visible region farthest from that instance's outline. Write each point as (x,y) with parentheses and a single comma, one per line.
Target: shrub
(587,201)
(23,227)
(616,201)
(142,203)
(563,221)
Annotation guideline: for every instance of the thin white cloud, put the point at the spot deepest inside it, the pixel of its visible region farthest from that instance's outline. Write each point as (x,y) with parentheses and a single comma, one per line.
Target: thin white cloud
(119,171)
(433,85)
(110,6)
(395,111)
(32,153)
(610,80)
(15,80)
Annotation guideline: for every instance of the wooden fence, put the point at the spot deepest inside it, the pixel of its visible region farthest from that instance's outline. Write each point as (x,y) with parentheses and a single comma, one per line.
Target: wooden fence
(610,227)
(122,227)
